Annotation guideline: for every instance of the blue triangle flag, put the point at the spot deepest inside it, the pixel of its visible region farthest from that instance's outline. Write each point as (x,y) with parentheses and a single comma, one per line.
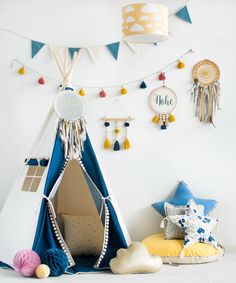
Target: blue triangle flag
(114,49)
(184,14)
(72,50)
(35,47)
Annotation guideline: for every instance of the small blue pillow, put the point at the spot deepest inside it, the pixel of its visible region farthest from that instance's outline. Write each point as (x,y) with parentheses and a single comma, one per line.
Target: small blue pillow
(182,196)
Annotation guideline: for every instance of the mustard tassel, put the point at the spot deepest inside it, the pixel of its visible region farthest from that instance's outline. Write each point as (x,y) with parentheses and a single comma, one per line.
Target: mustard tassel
(107,144)
(180,65)
(21,71)
(126,143)
(82,92)
(123,91)
(155,119)
(171,118)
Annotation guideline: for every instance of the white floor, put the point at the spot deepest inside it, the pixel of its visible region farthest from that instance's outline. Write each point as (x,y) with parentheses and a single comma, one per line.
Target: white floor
(218,272)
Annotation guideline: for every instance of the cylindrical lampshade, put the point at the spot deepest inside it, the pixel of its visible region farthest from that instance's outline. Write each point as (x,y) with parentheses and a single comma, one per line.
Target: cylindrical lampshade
(145,23)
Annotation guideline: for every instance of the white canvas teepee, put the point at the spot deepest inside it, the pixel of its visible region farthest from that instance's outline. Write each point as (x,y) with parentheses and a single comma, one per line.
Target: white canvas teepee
(60,176)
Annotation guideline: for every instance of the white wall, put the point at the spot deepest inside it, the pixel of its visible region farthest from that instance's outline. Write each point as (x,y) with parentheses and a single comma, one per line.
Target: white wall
(201,155)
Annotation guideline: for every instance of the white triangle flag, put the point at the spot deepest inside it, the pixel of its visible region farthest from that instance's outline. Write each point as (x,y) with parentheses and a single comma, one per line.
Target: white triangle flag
(93,52)
(133,46)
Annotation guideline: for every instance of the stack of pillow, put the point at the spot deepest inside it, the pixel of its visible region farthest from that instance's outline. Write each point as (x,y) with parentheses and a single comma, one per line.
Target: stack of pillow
(187,236)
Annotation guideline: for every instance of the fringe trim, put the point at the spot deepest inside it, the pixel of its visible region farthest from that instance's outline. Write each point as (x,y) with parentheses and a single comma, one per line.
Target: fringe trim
(73,135)
(207,100)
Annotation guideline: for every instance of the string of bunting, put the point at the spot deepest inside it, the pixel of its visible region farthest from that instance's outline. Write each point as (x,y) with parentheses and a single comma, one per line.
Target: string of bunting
(123,87)
(93,51)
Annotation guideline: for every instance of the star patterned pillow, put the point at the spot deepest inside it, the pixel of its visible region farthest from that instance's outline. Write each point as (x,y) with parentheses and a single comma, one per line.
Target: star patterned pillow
(197,228)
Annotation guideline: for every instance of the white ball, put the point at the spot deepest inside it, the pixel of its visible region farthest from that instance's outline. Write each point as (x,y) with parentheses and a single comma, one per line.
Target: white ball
(42,271)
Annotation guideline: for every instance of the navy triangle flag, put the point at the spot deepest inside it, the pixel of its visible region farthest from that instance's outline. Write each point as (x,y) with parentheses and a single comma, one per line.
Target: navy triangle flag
(72,50)
(184,14)
(114,49)
(35,47)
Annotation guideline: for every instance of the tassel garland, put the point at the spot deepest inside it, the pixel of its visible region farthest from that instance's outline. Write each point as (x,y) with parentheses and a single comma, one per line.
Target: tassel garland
(116,146)
(163,120)
(143,85)
(117,131)
(102,93)
(21,71)
(107,144)
(126,143)
(155,119)
(180,65)
(123,91)
(81,92)
(41,81)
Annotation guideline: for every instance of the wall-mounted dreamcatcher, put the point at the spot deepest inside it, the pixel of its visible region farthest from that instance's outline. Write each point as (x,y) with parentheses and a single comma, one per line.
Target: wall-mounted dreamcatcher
(116,130)
(206,90)
(163,101)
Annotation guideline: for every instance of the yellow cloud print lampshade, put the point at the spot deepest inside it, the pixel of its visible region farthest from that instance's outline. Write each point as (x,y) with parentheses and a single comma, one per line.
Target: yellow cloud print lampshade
(145,23)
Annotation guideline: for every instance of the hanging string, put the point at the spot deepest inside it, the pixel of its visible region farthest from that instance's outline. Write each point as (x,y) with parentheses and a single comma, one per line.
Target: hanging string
(136,81)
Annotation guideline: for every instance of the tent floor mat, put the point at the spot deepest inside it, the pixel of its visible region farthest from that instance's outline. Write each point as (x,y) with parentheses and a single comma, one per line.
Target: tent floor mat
(84,264)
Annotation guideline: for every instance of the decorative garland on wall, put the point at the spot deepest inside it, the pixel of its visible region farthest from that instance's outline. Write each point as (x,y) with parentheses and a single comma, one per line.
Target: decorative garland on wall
(103,90)
(93,51)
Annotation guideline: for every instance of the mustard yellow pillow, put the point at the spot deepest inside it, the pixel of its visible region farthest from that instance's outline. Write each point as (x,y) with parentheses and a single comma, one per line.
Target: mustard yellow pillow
(169,250)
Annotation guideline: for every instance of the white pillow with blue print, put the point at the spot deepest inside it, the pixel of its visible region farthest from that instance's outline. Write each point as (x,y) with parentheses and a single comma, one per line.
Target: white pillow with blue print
(171,230)
(197,228)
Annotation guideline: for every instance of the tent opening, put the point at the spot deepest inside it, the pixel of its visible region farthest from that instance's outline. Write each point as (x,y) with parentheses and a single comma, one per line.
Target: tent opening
(79,216)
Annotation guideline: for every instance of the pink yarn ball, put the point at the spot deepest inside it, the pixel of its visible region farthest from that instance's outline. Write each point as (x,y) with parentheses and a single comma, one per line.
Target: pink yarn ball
(25,262)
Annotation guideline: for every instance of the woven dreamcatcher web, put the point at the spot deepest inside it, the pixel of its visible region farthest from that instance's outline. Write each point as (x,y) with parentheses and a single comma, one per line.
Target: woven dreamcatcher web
(206,90)
(206,72)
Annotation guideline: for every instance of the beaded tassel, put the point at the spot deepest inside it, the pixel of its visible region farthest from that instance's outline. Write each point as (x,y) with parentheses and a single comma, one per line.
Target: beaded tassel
(116,144)
(126,143)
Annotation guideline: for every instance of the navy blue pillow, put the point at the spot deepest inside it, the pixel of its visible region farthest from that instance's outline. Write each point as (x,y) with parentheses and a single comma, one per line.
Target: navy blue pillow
(181,197)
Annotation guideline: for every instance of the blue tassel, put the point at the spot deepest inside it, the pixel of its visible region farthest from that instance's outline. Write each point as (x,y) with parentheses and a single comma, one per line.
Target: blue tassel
(163,127)
(116,146)
(143,85)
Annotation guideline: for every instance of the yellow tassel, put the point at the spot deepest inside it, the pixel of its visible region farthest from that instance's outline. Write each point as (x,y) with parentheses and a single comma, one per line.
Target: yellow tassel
(21,71)
(123,91)
(155,119)
(180,65)
(82,92)
(126,143)
(107,144)
(171,118)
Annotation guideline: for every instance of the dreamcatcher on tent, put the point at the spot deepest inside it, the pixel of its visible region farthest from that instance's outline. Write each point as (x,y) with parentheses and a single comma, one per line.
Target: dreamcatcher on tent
(118,129)
(163,101)
(206,90)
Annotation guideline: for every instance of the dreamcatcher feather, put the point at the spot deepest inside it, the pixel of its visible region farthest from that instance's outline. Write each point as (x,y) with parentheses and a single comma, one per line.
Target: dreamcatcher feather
(73,135)
(206,90)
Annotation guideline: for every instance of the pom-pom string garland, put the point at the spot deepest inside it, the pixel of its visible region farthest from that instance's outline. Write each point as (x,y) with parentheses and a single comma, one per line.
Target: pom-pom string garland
(141,82)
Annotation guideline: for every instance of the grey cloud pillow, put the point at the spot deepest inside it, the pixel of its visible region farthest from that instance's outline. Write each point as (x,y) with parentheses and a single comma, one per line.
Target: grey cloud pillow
(171,230)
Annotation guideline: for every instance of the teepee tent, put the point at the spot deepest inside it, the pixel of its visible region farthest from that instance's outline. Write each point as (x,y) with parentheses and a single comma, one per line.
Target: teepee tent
(60,199)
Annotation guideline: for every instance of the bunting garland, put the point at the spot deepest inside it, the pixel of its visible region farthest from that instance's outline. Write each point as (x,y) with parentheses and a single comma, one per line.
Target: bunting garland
(184,15)
(36,46)
(93,51)
(114,49)
(72,50)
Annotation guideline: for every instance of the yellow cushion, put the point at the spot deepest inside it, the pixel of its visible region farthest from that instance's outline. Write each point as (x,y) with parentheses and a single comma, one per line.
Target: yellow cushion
(171,249)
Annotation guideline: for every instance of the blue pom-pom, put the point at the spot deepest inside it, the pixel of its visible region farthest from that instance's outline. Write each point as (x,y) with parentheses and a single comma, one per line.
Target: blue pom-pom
(126,124)
(106,124)
(56,260)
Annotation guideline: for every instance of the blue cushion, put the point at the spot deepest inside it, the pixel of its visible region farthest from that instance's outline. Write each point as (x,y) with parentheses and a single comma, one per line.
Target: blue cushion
(181,197)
